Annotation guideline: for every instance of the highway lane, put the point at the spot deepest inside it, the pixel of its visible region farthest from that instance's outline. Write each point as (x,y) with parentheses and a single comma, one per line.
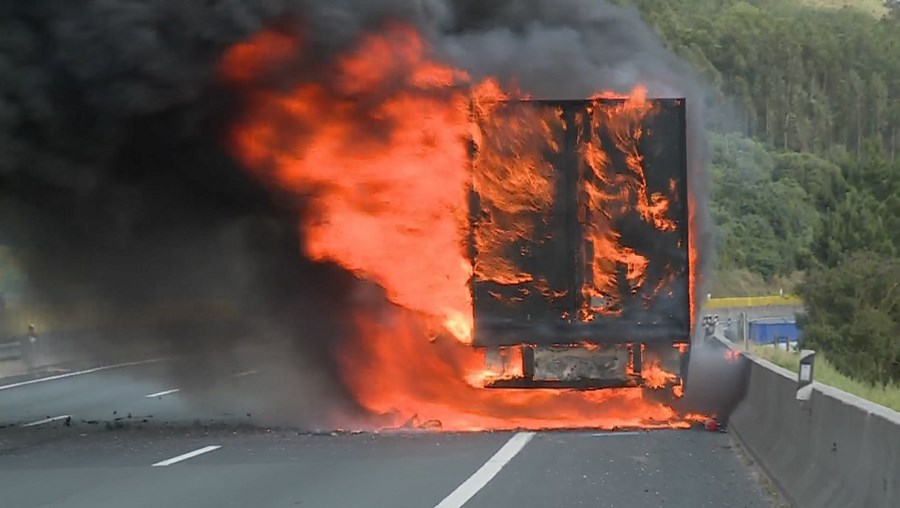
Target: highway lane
(87,396)
(84,465)
(145,390)
(283,469)
(646,469)
(251,469)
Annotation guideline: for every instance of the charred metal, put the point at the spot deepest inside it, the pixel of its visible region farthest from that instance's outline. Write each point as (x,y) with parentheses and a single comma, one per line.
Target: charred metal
(556,269)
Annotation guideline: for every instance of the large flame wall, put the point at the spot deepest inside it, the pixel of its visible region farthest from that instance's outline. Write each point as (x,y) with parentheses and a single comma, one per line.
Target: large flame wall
(376,143)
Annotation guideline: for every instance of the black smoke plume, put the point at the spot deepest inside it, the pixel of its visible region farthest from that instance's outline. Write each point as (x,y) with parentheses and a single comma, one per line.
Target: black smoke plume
(116,187)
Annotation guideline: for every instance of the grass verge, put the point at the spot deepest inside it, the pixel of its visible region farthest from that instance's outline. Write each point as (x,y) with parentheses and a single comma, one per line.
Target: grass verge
(740,282)
(825,373)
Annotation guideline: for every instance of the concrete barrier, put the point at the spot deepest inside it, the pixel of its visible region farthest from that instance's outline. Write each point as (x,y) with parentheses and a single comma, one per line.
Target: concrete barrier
(11,350)
(835,450)
(86,348)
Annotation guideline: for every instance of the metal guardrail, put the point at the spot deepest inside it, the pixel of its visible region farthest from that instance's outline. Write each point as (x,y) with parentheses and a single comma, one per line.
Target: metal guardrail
(11,350)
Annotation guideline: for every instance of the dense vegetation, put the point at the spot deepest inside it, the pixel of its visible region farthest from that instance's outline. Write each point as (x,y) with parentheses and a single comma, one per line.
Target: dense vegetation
(805,151)
(791,76)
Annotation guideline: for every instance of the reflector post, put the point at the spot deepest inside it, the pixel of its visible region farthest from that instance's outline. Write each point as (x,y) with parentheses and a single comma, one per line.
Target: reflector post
(805,374)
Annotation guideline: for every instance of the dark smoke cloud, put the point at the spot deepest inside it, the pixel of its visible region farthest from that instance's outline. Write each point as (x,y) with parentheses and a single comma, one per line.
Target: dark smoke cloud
(564,50)
(116,187)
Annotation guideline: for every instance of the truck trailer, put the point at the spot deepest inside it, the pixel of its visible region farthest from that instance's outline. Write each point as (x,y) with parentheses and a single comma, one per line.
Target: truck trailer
(579,241)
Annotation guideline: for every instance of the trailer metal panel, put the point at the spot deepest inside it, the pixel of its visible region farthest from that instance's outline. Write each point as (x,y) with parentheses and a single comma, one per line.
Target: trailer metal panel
(548,308)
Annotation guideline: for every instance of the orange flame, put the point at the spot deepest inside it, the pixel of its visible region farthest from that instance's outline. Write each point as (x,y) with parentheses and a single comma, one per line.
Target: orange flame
(610,197)
(386,179)
(512,177)
(402,378)
(377,148)
(655,377)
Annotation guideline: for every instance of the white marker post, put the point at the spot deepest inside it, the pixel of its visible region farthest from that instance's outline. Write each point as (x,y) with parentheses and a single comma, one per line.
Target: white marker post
(805,375)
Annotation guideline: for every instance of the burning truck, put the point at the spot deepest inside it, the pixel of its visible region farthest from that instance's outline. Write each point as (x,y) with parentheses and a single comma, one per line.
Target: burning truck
(539,246)
(579,243)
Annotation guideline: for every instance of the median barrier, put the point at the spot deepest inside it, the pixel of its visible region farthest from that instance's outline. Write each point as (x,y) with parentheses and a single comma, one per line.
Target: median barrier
(85,348)
(10,350)
(834,450)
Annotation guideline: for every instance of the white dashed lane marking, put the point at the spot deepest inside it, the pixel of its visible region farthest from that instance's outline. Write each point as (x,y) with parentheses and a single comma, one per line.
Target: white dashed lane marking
(161,394)
(188,455)
(485,473)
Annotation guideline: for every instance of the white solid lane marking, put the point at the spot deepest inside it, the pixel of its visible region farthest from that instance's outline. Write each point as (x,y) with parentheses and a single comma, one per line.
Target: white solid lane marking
(188,455)
(47,420)
(246,373)
(485,473)
(160,394)
(616,434)
(79,373)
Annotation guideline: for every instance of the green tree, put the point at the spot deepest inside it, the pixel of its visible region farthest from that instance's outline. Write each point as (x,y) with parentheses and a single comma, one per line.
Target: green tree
(820,178)
(852,315)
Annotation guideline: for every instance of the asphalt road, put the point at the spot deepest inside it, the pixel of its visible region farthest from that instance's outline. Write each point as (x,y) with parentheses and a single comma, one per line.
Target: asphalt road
(121,448)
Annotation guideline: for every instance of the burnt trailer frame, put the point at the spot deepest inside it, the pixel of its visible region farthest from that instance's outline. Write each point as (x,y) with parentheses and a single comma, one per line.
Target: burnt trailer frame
(503,317)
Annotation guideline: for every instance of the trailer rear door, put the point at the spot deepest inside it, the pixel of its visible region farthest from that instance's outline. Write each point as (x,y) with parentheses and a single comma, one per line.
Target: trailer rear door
(579,222)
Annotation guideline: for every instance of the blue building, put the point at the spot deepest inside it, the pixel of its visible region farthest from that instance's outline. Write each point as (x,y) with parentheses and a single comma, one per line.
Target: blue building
(774,331)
